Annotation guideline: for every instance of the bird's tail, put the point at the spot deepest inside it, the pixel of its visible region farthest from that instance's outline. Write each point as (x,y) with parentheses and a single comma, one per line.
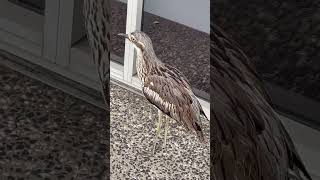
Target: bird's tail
(204,114)
(200,107)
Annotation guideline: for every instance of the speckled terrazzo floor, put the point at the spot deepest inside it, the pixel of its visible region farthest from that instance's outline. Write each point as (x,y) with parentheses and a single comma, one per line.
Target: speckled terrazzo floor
(133,122)
(48,134)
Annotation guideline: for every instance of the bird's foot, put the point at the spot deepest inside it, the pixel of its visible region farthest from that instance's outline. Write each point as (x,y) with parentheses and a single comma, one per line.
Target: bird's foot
(156,144)
(166,129)
(158,130)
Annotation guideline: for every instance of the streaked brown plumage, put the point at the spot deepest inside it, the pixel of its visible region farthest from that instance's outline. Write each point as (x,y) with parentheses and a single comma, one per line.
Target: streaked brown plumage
(97,23)
(249,140)
(166,87)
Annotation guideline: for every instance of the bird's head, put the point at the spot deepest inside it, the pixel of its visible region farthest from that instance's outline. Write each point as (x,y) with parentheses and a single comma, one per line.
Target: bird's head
(140,39)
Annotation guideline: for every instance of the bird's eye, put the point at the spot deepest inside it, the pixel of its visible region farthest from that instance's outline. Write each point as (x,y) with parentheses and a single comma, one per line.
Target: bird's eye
(133,38)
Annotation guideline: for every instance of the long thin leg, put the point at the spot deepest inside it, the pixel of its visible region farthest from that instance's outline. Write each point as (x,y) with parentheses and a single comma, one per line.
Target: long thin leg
(166,128)
(159,123)
(158,130)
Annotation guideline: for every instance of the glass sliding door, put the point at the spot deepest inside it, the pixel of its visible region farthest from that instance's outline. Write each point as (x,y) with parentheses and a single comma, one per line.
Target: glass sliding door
(118,25)
(181,38)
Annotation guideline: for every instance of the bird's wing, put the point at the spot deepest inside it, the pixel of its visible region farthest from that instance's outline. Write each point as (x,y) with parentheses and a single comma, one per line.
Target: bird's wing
(239,63)
(249,140)
(174,100)
(181,79)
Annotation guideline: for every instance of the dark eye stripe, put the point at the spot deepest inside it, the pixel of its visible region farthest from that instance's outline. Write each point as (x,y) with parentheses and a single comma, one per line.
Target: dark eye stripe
(140,46)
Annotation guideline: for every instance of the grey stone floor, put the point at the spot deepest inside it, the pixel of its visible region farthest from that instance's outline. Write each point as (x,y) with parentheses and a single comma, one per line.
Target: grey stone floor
(48,134)
(133,122)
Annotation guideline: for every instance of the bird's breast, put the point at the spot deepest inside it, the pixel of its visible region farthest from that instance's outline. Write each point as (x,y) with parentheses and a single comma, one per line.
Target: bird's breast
(141,66)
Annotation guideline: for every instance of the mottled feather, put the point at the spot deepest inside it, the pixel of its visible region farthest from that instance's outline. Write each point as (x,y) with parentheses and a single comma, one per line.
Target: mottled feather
(97,22)
(173,100)
(249,139)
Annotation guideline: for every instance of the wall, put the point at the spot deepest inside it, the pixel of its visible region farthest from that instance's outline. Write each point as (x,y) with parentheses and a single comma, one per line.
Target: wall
(192,13)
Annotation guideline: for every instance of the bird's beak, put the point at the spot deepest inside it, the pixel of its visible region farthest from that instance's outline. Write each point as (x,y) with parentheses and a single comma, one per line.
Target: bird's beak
(123,35)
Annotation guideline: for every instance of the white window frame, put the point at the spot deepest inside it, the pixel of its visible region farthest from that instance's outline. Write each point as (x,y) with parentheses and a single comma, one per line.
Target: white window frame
(50,33)
(134,16)
(126,73)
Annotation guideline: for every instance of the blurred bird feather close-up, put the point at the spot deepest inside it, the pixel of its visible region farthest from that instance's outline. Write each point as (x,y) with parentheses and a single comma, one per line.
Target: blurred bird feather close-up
(249,139)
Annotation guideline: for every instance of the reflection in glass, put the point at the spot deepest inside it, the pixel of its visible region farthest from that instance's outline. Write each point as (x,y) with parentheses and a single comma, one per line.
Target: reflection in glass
(118,24)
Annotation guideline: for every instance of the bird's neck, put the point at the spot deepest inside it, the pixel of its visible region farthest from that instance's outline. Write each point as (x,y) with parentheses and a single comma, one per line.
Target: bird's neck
(145,61)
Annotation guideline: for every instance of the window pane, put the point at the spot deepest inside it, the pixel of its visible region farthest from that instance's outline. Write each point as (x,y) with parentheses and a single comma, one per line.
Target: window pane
(181,38)
(118,25)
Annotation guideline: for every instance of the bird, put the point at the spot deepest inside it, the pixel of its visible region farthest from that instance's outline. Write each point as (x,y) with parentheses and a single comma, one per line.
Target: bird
(249,140)
(166,87)
(98,29)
